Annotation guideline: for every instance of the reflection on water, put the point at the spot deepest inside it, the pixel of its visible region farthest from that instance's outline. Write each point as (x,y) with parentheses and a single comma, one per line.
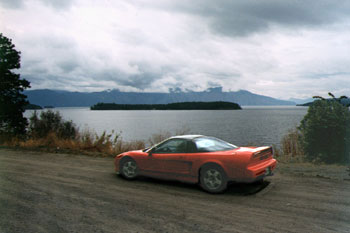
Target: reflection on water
(259,125)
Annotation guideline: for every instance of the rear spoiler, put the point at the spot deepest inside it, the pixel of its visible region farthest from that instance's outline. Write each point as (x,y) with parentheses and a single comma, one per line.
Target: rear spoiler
(262,150)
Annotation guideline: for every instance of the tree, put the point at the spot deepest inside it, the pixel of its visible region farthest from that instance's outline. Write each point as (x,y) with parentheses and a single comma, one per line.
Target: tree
(325,130)
(12,101)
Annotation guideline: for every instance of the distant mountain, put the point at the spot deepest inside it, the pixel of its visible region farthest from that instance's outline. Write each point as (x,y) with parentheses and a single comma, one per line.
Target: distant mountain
(301,101)
(59,98)
(345,102)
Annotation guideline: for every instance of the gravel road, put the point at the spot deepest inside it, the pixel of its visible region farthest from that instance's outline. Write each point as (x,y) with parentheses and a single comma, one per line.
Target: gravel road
(41,192)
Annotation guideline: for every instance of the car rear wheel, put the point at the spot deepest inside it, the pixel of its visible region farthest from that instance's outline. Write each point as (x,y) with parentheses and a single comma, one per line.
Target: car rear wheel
(213,179)
(128,169)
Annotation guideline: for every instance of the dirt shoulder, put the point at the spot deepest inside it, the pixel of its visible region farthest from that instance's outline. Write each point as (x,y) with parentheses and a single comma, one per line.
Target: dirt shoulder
(41,192)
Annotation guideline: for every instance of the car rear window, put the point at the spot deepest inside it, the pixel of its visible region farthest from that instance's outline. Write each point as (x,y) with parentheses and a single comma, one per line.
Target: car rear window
(209,144)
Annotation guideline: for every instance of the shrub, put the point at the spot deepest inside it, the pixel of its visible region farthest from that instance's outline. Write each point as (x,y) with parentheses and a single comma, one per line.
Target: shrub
(325,132)
(51,122)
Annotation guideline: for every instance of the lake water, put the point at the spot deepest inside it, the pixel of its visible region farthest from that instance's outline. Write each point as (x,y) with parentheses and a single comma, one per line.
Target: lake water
(257,125)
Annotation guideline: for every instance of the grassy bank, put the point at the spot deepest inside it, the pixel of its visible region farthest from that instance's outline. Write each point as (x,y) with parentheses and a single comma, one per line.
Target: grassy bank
(50,133)
(85,142)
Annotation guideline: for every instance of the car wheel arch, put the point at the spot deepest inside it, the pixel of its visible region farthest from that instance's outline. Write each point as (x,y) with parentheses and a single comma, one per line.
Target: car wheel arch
(208,164)
(125,158)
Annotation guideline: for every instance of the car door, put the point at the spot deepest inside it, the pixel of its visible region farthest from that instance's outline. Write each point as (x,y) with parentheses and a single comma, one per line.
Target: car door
(170,158)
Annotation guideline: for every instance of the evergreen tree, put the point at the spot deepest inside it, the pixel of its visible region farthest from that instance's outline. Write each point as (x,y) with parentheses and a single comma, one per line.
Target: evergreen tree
(12,101)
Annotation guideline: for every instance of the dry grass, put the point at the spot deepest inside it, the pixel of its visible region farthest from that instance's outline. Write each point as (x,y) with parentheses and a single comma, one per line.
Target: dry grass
(291,149)
(291,143)
(86,142)
(49,132)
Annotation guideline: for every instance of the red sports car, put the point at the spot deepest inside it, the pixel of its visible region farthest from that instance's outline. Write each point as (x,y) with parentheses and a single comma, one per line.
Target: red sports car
(208,161)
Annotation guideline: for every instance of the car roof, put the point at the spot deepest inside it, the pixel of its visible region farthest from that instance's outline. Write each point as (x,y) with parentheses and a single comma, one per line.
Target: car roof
(189,136)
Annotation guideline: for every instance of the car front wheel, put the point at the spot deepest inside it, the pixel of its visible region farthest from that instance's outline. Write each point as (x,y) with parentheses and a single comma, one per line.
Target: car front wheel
(128,169)
(213,179)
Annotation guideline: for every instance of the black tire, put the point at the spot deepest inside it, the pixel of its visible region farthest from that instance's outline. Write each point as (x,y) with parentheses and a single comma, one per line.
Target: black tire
(213,178)
(128,169)
(259,182)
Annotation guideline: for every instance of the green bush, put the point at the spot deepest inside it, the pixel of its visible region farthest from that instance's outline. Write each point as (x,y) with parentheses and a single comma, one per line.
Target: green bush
(325,132)
(51,122)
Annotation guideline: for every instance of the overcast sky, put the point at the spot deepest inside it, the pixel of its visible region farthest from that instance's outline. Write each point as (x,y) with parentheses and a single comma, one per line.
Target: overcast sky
(279,48)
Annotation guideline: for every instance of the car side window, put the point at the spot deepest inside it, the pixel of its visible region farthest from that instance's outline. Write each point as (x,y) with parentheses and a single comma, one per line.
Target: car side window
(172,146)
(191,147)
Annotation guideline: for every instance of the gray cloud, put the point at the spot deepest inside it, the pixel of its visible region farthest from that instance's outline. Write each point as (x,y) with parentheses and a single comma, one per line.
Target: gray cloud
(326,75)
(12,4)
(68,65)
(43,81)
(242,18)
(220,75)
(59,51)
(57,4)
(141,81)
(175,90)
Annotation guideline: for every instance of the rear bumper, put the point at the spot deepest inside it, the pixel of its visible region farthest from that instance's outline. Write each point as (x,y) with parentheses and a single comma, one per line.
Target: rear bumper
(259,171)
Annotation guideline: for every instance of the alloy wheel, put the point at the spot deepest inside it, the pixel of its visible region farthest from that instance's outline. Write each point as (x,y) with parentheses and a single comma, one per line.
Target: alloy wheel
(130,169)
(212,179)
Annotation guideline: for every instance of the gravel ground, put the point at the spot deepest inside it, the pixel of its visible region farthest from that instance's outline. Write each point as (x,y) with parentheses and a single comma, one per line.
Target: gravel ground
(41,192)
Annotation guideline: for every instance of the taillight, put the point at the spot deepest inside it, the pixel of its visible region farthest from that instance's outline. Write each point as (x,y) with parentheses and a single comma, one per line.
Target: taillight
(256,154)
(263,154)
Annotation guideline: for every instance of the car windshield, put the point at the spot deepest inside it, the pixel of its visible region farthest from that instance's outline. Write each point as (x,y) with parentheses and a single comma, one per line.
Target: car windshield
(209,144)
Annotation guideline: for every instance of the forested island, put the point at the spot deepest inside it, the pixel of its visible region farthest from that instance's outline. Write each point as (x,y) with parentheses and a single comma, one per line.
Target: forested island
(32,107)
(217,105)
(36,107)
